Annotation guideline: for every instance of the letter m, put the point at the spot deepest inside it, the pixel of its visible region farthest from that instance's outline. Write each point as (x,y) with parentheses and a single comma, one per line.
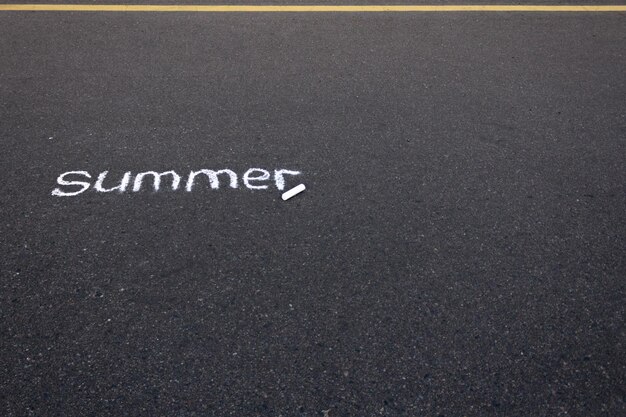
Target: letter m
(156,179)
(213,178)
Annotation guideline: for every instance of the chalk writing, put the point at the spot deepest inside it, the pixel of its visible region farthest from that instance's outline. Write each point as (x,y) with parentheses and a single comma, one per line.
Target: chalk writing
(73,183)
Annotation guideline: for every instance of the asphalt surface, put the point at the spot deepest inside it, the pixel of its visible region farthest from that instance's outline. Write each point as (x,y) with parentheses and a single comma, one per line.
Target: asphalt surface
(459,251)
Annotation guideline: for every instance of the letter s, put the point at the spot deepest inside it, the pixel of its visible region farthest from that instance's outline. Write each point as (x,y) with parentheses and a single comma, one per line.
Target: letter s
(61,181)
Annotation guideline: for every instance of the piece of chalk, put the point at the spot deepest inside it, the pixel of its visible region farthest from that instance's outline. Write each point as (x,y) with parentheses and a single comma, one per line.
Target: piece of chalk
(295,190)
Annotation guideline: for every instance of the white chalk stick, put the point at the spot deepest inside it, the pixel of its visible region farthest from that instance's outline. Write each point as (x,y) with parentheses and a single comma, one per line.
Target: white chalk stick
(294,191)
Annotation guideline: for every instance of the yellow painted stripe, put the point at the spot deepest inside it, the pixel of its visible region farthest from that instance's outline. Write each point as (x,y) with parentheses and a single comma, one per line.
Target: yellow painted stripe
(319,8)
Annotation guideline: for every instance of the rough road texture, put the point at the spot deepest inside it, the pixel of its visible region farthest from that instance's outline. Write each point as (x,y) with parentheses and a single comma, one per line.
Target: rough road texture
(459,251)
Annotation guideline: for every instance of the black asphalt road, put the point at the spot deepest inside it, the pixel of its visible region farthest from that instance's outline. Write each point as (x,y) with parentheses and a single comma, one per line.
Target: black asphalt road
(459,251)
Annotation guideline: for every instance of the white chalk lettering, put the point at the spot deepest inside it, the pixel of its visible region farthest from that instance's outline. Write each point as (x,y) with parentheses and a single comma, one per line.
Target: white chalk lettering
(121,188)
(213,178)
(61,181)
(157,179)
(253,179)
(247,177)
(280,180)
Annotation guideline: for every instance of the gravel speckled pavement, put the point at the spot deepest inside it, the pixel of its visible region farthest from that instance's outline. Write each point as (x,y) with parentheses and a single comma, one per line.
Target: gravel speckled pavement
(459,249)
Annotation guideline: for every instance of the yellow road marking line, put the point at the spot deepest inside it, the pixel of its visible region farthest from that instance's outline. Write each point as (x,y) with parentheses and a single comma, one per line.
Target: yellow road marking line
(319,8)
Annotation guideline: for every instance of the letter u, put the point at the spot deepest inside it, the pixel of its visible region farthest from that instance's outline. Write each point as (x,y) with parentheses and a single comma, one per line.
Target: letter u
(121,187)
